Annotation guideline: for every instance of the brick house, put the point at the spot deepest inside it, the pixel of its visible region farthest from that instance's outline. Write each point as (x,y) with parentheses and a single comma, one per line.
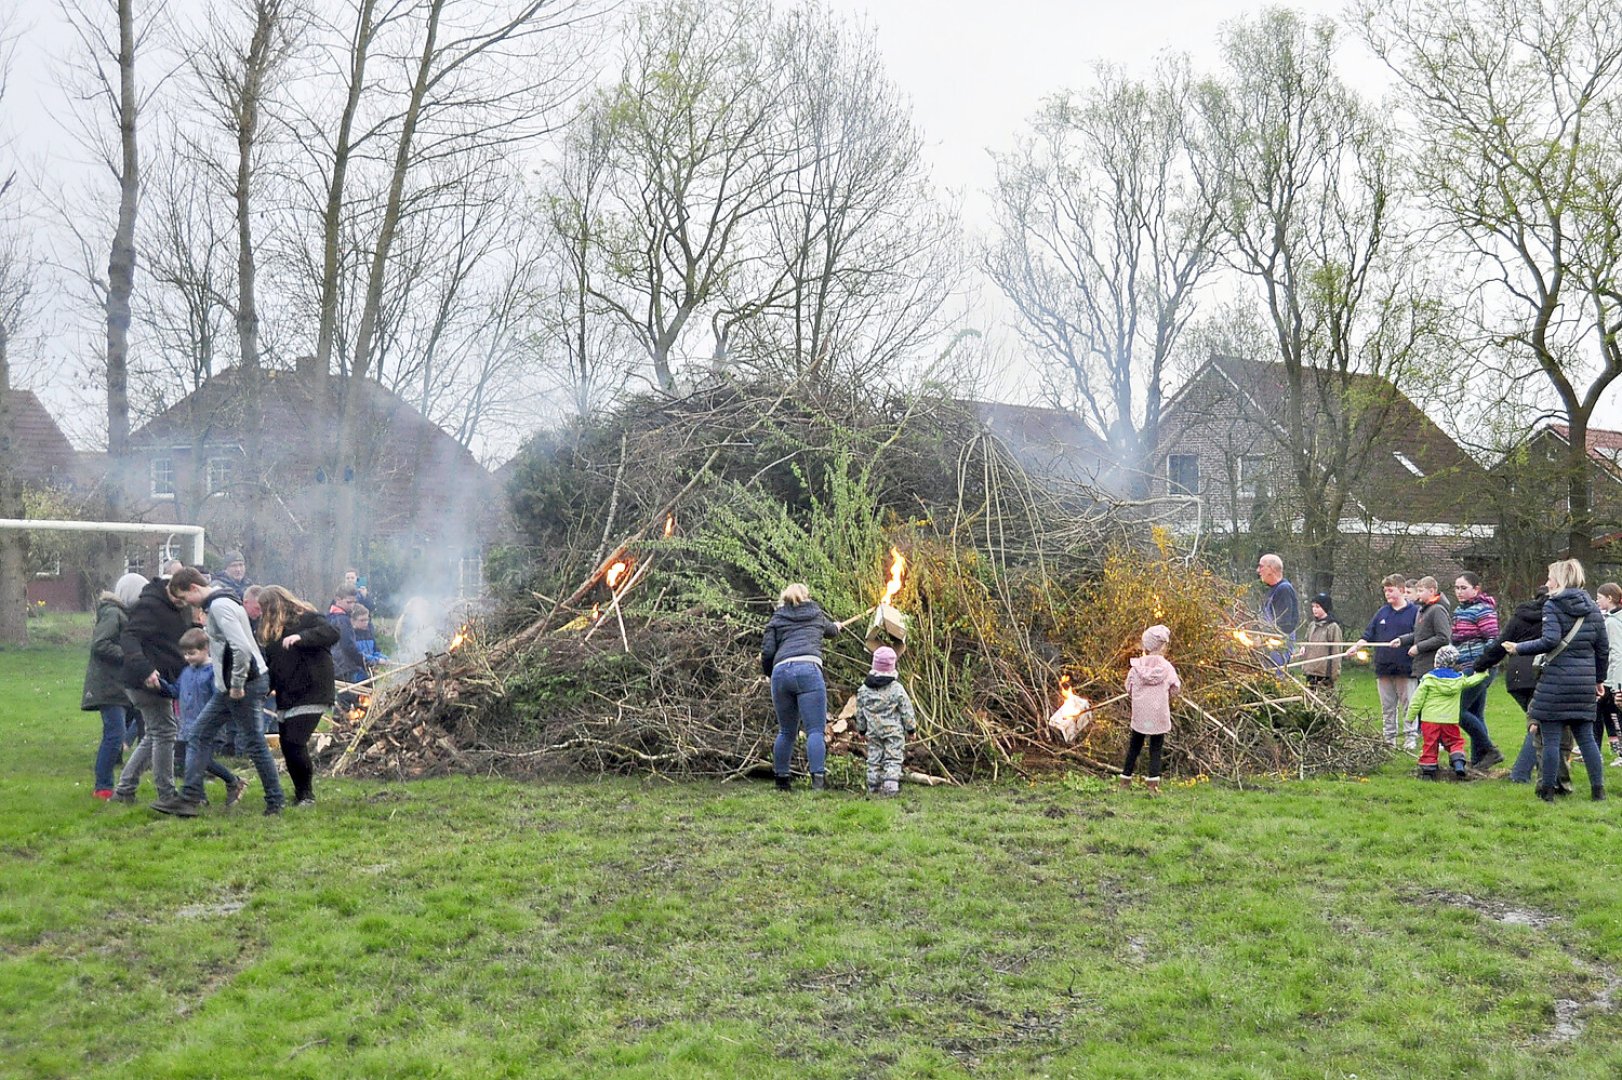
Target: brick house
(1051,443)
(425,507)
(44,460)
(1536,513)
(1418,504)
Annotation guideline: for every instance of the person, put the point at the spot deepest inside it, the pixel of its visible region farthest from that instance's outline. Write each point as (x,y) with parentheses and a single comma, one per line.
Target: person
(791,657)
(884,714)
(1433,628)
(1322,652)
(103,690)
(1475,625)
(346,658)
(240,684)
(1525,623)
(1610,604)
(1573,675)
(233,574)
(1393,669)
(152,661)
(1436,705)
(1150,683)
(353,580)
(1281,608)
(360,620)
(298,654)
(193,689)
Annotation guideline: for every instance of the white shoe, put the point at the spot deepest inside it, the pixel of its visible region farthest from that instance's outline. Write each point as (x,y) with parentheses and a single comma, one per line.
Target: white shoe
(1410,745)
(1617,763)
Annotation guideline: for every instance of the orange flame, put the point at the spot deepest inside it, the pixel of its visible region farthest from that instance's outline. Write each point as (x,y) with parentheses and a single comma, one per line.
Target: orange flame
(1244,639)
(1362,656)
(616,572)
(459,640)
(1073,713)
(670,524)
(1275,643)
(898,567)
(358,710)
(596,612)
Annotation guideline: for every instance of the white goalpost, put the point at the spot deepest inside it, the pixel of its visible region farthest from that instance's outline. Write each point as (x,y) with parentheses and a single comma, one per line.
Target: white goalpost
(131,528)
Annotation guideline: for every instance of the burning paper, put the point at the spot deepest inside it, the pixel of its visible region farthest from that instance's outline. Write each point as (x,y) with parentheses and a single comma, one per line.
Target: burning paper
(885,616)
(670,525)
(1073,714)
(616,573)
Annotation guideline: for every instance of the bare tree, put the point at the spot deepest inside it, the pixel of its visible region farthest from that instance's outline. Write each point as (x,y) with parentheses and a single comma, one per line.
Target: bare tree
(1519,125)
(1308,178)
(18,268)
(1107,222)
(695,166)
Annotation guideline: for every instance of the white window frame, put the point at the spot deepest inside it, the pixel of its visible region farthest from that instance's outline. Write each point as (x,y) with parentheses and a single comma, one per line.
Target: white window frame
(168,464)
(475,563)
(1175,488)
(1249,487)
(226,465)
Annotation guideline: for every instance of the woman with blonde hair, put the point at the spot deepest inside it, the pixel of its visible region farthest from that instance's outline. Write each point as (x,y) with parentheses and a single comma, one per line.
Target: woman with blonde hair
(297,642)
(1573,677)
(791,657)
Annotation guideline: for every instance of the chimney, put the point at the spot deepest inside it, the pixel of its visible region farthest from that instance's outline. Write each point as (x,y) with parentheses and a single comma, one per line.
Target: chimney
(306,369)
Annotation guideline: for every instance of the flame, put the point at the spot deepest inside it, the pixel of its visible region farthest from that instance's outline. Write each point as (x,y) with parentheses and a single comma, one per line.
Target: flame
(898,567)
(1244,639)
(615,572)
(1362,656)
(1073,712)
(459,640)
(357,711)
(670,524)
(596,612)
(1275,643)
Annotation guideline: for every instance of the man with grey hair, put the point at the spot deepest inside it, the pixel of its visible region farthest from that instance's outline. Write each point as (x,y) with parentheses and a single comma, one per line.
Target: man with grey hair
(1280,612)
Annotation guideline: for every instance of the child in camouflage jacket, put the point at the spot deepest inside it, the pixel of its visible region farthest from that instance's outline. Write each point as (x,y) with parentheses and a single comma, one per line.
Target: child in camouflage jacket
(884,715)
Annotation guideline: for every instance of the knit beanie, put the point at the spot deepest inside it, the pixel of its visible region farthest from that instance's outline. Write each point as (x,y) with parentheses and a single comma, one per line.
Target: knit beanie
(1155,638)
(1323,601)
(884,660)
(1447,656)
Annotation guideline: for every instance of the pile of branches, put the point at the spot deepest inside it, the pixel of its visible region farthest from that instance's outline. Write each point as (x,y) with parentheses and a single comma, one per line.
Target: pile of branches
(1012,586)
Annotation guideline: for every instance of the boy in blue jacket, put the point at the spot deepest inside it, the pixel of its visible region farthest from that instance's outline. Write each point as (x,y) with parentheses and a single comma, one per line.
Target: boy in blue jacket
(195,687)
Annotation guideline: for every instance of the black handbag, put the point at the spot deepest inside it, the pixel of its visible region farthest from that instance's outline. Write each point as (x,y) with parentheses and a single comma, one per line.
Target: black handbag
(1540,661)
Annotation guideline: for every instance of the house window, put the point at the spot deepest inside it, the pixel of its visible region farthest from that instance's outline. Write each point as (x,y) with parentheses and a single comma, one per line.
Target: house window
(1183,474)
(1408,463)
(163,478)
(470,577)
(219,475)
(1249,475)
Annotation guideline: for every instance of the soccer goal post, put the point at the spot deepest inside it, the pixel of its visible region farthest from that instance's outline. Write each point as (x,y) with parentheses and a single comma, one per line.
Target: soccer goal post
(130,528)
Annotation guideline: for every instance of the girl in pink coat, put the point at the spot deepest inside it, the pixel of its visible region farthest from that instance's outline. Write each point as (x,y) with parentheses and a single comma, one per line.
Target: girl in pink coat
(1151,683)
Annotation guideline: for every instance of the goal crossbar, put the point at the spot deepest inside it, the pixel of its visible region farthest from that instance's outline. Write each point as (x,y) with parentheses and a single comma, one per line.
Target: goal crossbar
(134,528)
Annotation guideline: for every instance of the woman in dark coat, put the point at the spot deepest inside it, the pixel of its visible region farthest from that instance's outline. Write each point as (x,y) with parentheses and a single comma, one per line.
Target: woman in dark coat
(297,643)
(1525,623)
(1572,678)
(791,656)
(103,688)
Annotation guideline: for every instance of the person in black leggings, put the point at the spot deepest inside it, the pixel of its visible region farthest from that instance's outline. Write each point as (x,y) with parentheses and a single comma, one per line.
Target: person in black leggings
(297,642)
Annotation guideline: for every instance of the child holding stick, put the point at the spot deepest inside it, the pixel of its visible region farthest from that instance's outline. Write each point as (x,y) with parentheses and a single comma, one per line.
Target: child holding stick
(1150,684)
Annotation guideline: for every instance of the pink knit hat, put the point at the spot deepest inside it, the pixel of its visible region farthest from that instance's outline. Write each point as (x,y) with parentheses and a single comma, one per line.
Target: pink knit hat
(1155,638)
(884,660)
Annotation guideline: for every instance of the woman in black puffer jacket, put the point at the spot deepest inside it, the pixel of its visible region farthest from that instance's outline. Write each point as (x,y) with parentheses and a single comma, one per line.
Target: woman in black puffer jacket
(1572,678)
(791,656)
(297,642)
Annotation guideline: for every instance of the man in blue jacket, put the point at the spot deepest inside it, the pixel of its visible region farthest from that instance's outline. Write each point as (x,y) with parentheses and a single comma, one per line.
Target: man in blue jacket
(1393,667)
(1281,608)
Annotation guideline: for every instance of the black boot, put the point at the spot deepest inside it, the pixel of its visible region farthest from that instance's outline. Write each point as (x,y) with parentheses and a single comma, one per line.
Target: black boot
(1546,793)
(784,784)
(1597,792)
(819,781)
(1427,772)
(1458,767)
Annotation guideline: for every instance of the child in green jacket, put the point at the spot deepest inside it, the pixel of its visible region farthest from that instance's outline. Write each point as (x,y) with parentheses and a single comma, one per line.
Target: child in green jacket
(1436,706)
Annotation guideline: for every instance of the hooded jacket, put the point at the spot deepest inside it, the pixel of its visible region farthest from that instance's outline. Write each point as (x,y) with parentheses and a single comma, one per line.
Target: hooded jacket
(1565,692)
(151,637)
(1433,628)
(1475,625)
(103,687)
(1440,692)
(1322,649)
(346,658)
(231,647)
(1151,682)
(883,709)
(795,632)
(1613,632)
(303,675)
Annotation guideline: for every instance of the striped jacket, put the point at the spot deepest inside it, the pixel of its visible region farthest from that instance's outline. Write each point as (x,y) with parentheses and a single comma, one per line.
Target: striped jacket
(1475,626)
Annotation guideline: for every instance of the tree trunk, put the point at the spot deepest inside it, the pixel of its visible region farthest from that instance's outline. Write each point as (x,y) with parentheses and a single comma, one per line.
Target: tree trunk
(1579,493)
(13,544)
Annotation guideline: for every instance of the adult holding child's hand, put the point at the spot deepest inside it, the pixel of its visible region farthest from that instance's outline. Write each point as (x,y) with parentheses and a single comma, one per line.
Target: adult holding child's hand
(1578,653)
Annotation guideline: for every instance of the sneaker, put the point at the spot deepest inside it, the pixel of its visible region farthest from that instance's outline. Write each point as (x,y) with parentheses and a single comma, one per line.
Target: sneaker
(233,792)
(1617,764)
(1492,757)
(819,781)
(272,811)
(1410,745)
(784,784)
(104,793)
(304,803)
(127,800)
(177,807)
(889,789)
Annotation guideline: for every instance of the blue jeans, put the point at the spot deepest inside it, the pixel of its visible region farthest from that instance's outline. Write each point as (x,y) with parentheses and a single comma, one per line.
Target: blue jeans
(801,699)
(1473,718)
(243,715)
(112,745)
(1583,730)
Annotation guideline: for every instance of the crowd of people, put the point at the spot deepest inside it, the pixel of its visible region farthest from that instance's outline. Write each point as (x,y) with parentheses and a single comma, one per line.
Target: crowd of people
(1432,665)
(182,667)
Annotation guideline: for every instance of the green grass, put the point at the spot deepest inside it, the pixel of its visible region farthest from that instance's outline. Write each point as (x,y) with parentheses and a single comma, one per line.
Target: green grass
(478,928)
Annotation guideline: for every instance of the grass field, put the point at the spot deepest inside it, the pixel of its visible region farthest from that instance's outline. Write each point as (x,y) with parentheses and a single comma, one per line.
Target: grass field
(475,928)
